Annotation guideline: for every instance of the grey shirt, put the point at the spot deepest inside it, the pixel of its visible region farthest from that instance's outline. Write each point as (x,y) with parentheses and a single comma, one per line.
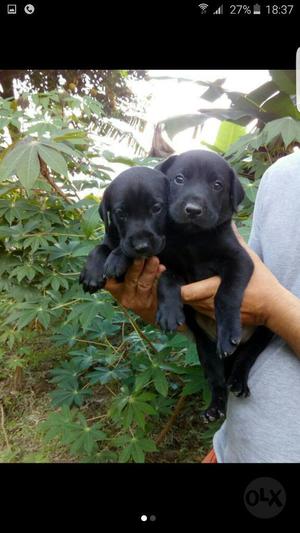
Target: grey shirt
(265,428)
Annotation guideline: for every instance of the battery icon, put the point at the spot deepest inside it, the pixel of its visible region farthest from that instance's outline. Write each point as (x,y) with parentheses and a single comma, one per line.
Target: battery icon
(256,9)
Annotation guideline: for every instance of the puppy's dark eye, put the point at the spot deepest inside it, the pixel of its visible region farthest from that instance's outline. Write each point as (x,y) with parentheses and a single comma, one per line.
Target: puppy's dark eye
(218,185)
(120,214)
(179,179)
(156,208)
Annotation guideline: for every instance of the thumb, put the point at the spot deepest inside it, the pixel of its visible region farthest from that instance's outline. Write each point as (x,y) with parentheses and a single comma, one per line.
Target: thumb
(200,290)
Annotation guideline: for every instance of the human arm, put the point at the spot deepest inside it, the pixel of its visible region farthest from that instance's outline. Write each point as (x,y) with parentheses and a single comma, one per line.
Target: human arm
(266,301)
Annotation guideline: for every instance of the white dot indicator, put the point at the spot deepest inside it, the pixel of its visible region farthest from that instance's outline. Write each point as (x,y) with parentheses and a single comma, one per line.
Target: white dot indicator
(144,518)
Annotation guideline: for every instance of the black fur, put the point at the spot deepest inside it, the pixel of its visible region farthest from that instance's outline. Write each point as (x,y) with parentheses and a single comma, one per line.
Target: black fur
(204,192)
(134,211)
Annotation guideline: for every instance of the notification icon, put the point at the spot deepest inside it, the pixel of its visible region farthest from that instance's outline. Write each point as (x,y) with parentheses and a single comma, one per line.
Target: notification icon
(29,9)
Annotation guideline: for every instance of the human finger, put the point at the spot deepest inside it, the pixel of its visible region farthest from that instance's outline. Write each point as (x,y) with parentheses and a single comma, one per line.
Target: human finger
(200,290)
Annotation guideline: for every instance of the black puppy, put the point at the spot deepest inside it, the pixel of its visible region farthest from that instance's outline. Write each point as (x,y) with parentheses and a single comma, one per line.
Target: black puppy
(134,210)
(204,193)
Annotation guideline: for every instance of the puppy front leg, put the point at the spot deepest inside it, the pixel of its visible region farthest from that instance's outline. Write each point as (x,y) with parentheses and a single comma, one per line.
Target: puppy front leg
(170,312)
(92,276)
(236,272)
(116,264)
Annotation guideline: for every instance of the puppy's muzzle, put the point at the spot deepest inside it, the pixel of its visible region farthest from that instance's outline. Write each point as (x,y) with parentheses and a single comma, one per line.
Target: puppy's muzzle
(142,248)
(146,246)
(193,210)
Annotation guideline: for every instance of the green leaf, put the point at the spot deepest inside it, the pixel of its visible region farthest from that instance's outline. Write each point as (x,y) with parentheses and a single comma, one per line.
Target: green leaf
(142,379)
(285,80)
(228,134)
(11,159)
(127,416)
(148,445)
(192,387)
(160,381)
(125,454)
(44,318)
(71,428)
(250,188)
(109,156)
(69,395)
(179,123)
(53,159)
(26,318)
(137,453)
(263,92)
(139,415)
(61,147)
(281,105)
(106,375)
(91,220)
(28,166)
(287,127)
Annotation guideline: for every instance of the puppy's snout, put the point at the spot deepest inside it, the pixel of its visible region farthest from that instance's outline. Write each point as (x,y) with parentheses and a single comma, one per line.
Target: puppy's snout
(141,247)
(193,210)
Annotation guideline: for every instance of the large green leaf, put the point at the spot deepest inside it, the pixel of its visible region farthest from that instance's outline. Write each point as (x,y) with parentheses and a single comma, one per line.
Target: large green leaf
(281,105)
(160,381)
(285,80)
(237,116)
(90,220)
(11,159)
(109,156)
(28,166)
(60,147)
(179,123)
(262,93)
(53,159)
(228,134)
(287,128)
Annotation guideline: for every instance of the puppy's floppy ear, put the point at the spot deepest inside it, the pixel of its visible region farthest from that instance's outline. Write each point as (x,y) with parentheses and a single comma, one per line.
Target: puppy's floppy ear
(236,191)
(165,165)
(104,210)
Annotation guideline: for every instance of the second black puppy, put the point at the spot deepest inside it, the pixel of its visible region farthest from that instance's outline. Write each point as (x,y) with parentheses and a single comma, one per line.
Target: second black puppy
(203,195)
(134,211)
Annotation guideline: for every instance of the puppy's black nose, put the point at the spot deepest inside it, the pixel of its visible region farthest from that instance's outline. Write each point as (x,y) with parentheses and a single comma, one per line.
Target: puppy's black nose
(142,248)
(193,210)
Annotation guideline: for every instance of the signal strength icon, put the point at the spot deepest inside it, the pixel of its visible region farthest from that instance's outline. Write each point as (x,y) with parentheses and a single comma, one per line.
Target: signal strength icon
(219,11)
(203,8)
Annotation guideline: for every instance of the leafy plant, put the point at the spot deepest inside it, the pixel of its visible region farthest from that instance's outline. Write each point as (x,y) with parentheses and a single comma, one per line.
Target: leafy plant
(119,381)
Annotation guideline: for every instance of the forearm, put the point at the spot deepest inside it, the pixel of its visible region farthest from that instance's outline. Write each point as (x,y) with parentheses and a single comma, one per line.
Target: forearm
(284,318)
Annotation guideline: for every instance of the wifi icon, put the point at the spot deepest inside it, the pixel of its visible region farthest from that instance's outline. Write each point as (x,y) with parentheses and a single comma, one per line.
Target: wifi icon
(203,8)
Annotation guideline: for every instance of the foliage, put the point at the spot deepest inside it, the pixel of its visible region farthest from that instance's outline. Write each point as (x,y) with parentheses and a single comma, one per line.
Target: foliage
(46,231)
(133,371)
(272,100)
(275,132)
(99,100)
(109,87)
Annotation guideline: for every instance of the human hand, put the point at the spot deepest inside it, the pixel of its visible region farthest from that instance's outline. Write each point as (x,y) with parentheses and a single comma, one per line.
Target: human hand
(138,292)
(259,296)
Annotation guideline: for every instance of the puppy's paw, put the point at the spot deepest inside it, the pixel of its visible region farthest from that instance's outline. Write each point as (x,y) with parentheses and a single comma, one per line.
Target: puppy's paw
(91,280)
(116,265)
(238,385)
(229,337)
(170,317)
(213,412)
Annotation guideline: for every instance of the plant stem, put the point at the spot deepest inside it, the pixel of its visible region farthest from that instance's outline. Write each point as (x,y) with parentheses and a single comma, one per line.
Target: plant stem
(139,331)
(171,420)
(3,427)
